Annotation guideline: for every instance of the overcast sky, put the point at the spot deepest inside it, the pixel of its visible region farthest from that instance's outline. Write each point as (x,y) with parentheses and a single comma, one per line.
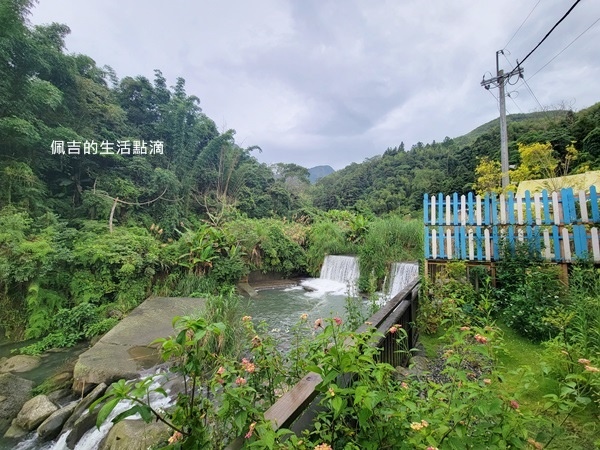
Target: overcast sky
(337,81)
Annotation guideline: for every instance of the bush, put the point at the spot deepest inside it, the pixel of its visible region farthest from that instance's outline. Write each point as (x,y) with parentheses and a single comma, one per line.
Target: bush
(71,326)
(326,237)
(533,301)
(388,240)
(367,408)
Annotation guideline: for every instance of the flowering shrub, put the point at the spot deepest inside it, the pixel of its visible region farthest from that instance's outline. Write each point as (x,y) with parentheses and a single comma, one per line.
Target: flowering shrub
(367,405)
(363,404)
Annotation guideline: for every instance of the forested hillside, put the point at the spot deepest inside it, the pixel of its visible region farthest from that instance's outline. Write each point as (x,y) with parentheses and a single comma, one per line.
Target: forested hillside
(396,180)
(112,188)
(115,188)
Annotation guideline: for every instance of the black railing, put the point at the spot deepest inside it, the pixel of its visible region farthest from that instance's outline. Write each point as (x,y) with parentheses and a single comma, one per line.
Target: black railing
(297,408)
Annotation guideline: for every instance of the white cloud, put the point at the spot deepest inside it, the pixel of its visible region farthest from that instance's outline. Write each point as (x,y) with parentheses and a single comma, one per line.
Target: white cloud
(334,82)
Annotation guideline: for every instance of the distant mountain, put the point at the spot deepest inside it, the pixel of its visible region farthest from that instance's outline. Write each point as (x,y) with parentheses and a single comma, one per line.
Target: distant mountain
(318,172)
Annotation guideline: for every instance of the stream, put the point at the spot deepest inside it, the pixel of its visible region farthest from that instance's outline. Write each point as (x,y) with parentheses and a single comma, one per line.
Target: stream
(280,309)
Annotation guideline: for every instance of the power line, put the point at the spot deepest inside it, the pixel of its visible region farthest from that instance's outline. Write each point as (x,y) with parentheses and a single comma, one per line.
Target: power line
(513,100)
(523,23)
(536,99)
(559,53)
(549,32)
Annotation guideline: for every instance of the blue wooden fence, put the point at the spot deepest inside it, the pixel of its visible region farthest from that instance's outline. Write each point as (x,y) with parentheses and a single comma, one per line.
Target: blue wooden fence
(562,226)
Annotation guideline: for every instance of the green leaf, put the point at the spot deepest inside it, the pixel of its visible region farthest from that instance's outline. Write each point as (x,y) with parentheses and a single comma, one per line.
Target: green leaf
(130,412)
(337,403)
(146,413)
(105,411)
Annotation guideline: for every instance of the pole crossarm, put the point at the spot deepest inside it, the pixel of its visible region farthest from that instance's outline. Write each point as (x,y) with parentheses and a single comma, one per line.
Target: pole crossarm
(500,81)
(501,78)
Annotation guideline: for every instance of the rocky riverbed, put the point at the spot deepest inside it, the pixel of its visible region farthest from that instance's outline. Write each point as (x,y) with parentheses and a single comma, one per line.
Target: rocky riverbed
(61,416)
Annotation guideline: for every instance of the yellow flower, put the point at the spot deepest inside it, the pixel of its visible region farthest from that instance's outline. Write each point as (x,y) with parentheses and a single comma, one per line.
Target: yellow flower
(416,426)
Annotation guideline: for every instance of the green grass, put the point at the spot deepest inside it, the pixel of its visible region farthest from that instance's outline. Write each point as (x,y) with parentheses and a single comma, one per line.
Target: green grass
(522,373)
(582,429)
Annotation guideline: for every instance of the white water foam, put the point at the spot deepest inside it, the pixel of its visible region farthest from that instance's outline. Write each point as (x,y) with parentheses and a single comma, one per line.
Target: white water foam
(92,438)
(401,274)
(316,287)
(343,269)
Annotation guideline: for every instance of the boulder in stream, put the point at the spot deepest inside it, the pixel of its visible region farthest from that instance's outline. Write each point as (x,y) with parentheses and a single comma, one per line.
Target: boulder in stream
(135,435)
(15,432)
(14,391)
(84,405)
(20,363)
(34,412)
(51,427)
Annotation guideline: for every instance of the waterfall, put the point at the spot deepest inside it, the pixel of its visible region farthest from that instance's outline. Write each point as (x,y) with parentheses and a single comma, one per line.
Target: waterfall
(400,275)
(340,268)
(339,276)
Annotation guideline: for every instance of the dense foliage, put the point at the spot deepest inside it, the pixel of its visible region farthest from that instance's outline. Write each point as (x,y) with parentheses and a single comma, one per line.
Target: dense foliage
(460,399)
(397,180)
(81,227)
(532,298)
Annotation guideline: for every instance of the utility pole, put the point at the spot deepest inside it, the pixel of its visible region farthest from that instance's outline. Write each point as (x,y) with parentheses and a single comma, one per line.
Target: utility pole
(500,81)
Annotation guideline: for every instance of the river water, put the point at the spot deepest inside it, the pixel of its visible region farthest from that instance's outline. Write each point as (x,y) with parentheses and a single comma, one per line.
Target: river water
(280,309)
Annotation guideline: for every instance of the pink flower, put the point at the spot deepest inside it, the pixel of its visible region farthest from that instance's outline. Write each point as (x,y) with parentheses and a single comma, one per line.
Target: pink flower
(465,328)
(250,430)
(246,318)
(404,385)
(323,447)
(394,329)
(416,426)
(584,361)
(318,323)
(514,404)
(176,437)
(592,369)
(481,339)
(248,366)
(337,321)
(240,381)
(221,370)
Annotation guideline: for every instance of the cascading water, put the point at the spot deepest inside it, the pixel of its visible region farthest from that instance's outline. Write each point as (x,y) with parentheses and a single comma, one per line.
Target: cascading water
(340,268)
(92,438)
(339,275)
(401,274)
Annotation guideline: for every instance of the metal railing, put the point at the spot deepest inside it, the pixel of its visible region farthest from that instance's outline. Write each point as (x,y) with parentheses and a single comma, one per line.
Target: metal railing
(297,408)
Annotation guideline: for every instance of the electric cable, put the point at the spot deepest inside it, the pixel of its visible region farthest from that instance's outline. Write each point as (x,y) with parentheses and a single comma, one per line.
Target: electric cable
(498,102)
(516,104)
(549,32)
(559,53)
(521,26)
(536,99)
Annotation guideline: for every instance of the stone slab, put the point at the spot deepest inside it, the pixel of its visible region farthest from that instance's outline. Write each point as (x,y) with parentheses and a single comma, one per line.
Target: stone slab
(111,358)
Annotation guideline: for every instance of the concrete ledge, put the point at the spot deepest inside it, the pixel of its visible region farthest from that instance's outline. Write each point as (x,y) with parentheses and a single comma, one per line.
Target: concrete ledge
(121,353)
